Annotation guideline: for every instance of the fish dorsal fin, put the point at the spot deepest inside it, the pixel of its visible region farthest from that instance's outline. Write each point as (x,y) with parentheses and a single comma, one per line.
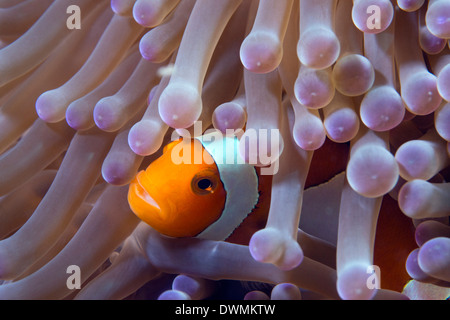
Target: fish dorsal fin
(240,182)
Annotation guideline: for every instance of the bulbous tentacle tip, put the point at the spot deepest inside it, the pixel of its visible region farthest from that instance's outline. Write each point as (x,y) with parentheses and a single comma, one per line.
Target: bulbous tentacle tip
(174,295)
(115,174)
(372,16)
(256,295)
(410,5)
(195,288)
(438,19)
(229,115)
(318,48)
(443,83)
(430,229)
(372,171)
(434,258)
(144,14)
(413,269)
(357,282)
(73,122)
(309,135)
(342,126)
(145,137)
(108,114)
(382,109)
(261,52)
(285,291)
(421,95)
(51,106)
(429,42)
(180,105)
(149,51)
(353,74)
(77,118)
(271,246)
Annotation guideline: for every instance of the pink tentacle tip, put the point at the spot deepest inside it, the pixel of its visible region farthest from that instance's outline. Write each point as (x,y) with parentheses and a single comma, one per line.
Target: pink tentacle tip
(271,246)
(145,137)
(382,109)
(412,267)
(229,116)
(144,13)
(174,295)
(342,126)
(261,52)
(372,16)
(147,50)
(410,5)
(420,93)
(118,7)
(180,105)
(438,19)
(434,258)
(310,136)
(372,171)
(115,174)
(104,113)
(356,283)
(318,48)
(443,83)
(256,295)
(50,106)
(285,291)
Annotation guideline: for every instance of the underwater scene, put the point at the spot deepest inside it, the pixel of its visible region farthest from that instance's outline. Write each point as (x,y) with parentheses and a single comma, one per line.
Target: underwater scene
(224,150)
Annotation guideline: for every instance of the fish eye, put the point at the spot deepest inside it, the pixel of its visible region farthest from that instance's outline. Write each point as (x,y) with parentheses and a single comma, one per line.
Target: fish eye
(204,183)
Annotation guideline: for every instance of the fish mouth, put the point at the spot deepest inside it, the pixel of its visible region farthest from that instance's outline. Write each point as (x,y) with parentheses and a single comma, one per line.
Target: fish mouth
(144,195)
(141,202)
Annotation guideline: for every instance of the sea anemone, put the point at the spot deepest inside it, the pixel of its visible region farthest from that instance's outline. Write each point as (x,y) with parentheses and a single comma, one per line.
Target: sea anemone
(357,92)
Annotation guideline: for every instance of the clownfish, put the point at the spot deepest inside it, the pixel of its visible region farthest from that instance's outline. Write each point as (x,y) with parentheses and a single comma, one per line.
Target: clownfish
(218,200)
(207,199)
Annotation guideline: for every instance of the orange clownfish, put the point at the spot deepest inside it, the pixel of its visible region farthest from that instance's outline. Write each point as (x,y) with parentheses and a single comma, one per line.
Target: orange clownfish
(201,188)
